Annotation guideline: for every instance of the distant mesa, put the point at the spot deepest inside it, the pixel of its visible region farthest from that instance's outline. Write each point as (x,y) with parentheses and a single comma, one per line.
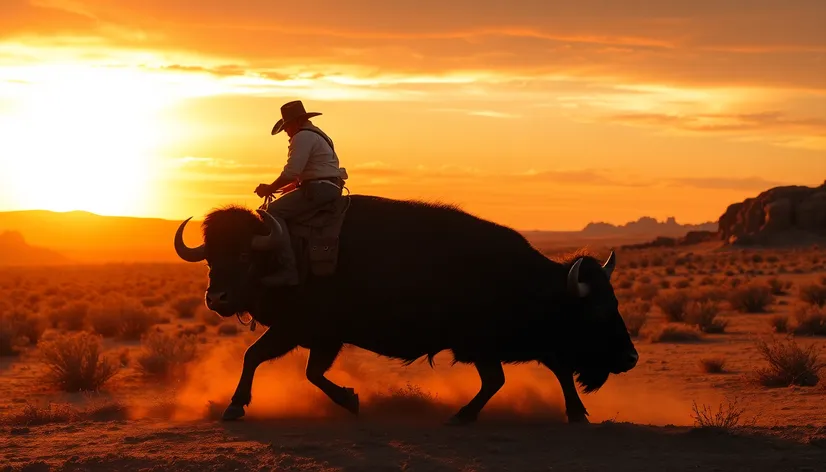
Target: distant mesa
(646,226)
(14,251)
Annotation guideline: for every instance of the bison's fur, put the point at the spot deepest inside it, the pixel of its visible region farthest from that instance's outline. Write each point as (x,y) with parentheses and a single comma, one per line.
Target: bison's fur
(414,279)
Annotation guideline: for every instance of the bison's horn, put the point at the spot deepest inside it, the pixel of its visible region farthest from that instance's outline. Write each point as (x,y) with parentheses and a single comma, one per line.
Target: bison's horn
(189,254)
(270,241)
(575,287)
(610,264)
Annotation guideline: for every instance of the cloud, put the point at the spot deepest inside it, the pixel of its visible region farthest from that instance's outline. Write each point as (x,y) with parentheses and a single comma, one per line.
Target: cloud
(777,44)
(728,183)
(769,120)
(204,168)
(775,127)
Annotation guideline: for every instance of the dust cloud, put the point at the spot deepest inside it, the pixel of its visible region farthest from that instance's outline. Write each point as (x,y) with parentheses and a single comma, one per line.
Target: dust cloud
(388,390)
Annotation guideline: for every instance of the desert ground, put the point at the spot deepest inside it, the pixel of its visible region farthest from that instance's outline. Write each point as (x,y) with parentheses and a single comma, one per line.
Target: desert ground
(121,367)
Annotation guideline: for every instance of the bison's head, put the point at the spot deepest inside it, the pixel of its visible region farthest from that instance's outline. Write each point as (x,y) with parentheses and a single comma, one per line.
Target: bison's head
(608,349)
(237,248)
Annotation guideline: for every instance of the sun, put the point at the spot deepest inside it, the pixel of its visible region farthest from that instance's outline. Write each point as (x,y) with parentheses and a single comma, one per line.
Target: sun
(82,138)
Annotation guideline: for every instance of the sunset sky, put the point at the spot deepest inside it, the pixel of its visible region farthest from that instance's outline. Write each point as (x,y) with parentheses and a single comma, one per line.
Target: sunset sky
(537,114)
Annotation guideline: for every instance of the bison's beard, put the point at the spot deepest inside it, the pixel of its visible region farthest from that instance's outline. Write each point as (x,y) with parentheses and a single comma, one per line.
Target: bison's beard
(591,378)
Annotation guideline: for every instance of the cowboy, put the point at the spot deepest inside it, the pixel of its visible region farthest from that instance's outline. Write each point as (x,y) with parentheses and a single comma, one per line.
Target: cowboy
(311,178)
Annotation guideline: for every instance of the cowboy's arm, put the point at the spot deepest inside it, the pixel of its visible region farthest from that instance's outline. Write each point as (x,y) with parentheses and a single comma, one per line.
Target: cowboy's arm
(297,156)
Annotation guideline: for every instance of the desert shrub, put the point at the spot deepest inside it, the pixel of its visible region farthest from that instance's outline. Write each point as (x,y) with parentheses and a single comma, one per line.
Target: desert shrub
(778,286)
(665,283)
(76,362)
(208,317)
(713,365)
(71,317)
(751,298)
(682,283)
(152,302)
(703,314)
(646,291)
(810,320)
(409,400)
(635,315)
(670,270)
(675,333)
(10,337)
(185,306)
(780,323)
(728,416)
(735,282)
(673,303)
(228,329)
(814,294)
(163,355)
(18,328)
(715,294)
(122,317)
(624,284)
(52,413)
(707,280)
(788,364)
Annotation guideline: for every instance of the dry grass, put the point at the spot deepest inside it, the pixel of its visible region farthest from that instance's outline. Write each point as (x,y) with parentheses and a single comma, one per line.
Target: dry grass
(810,320)
(122,317)
(76,362)
(729,415)
(164,355)
(407,401)
(751,298)
(675,332)
(780,323)
(208,317)
(228,329)
(52,413)
(18,328)
(814,294)
(788,364)
(713,365)
(703,314)
(71,317)
(779,287)
(673,303)
(186,306)
(635,314)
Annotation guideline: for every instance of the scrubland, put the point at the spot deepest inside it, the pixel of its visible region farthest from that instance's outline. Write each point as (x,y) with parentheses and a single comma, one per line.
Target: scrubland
(121,367)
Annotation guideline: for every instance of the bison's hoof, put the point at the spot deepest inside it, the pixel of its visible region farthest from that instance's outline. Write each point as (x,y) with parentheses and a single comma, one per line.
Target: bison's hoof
(233,412)
(351,401)
(459,420)
(580,418)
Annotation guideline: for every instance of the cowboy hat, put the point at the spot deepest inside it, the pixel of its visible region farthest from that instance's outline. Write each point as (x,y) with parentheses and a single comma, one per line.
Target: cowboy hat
(291,111)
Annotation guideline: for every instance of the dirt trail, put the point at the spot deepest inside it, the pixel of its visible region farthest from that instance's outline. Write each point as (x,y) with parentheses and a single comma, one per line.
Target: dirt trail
(356,445)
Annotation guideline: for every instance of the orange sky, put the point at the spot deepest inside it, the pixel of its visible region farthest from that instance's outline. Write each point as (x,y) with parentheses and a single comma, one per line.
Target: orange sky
(536,114)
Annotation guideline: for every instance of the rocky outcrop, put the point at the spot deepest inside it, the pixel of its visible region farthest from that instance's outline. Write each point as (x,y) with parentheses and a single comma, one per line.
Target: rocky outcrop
(781,215)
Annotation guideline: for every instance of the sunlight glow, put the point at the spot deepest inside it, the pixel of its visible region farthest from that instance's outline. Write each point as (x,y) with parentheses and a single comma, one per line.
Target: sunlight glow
(81,138)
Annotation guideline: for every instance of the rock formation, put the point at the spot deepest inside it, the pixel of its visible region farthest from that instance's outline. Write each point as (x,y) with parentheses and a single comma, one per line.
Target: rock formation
(781,215)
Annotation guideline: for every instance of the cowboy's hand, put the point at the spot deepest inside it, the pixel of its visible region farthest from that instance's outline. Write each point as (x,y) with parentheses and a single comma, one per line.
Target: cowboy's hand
(263,190)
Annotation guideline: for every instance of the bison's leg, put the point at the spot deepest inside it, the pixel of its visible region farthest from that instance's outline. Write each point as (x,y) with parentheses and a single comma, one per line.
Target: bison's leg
(574,408)
(268,346)
(493,378)
(320,360)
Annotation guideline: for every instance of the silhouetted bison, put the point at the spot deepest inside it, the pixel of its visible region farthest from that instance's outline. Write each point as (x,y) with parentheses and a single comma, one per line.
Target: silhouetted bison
(414,279)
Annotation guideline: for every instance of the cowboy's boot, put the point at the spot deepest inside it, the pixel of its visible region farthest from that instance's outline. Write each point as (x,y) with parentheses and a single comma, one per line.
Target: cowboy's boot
(286,273)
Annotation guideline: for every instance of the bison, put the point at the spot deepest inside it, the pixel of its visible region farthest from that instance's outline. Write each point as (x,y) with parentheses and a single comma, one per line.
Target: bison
(414,279)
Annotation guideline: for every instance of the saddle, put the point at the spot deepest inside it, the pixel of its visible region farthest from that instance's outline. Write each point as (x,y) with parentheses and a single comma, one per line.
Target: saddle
(315,238)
